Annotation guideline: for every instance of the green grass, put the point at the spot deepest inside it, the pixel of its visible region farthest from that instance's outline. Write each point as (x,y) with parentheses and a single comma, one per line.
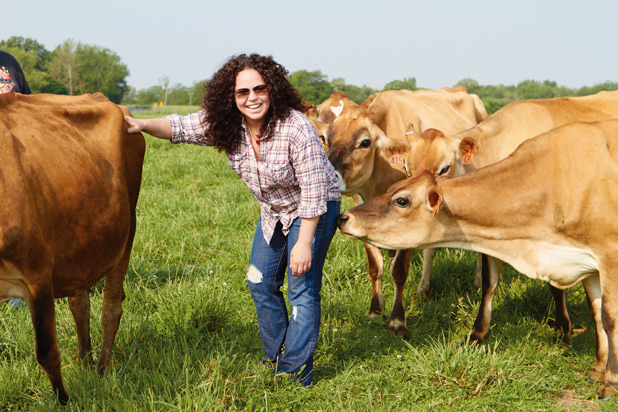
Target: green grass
(189,340)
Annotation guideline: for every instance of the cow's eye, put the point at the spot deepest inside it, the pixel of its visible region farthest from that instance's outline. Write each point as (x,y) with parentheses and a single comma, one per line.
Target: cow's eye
(402,202)
(444,170)
(365,144)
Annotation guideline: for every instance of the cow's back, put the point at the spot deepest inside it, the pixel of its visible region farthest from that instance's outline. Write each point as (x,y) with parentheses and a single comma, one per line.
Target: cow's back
(401,113)
(501,133)
(70,177)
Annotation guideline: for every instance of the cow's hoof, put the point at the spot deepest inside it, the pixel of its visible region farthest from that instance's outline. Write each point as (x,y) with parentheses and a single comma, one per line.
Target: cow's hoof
(373,314)
(399,329)
(595,376)
(562,339)
(476,338)
(606,391)
(423,293)
(376,307)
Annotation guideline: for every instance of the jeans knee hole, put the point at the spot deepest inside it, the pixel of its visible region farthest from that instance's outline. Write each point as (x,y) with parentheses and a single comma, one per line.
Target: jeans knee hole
(254,275)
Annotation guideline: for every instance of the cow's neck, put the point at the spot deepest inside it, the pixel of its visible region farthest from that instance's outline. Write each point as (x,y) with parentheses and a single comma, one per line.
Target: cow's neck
(493,218)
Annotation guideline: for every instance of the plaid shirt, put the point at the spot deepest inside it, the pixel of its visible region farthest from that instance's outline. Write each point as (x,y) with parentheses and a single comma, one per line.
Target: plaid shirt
(293,177)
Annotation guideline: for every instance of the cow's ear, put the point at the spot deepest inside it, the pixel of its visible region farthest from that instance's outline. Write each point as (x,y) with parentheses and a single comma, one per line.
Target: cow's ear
(468,148)
(321,128)
(434,200)
(395,151)
(411,132)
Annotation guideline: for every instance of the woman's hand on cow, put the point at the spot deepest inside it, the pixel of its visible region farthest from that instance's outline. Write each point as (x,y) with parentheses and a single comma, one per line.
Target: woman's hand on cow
(159,127)
(135,125)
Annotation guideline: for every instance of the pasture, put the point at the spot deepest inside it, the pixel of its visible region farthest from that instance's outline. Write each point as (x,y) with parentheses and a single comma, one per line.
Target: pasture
(189,341)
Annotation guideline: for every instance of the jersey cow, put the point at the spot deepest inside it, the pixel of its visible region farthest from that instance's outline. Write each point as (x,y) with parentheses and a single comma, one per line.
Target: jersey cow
(322,115)
(493,140)
(362,143)
(547,210)
(70,177)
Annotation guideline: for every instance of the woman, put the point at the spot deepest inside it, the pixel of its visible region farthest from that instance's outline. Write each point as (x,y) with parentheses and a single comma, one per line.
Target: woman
(252,112)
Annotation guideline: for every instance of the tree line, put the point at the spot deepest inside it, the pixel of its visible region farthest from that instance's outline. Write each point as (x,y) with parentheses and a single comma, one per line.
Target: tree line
(75,68)
(71,68)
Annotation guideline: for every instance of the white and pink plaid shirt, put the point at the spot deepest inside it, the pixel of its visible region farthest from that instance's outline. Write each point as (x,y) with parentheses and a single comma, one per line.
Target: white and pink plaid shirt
(292,178)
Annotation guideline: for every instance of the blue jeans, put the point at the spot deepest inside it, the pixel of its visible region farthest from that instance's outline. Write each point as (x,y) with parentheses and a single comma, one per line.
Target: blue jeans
(289,342)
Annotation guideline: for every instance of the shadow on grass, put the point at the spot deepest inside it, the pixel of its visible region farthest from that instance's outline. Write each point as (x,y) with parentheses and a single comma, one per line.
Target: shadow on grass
(523,311)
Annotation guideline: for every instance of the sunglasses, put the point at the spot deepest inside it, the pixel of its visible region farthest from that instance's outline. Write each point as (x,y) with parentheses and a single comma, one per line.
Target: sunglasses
(259,90)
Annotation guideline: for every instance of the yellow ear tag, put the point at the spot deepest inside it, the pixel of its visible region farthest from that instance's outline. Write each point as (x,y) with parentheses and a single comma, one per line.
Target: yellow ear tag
(397,160)
(467,157)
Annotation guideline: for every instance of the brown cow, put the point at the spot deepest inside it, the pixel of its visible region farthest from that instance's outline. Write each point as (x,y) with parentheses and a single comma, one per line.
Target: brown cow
(364,141)
(70,180)
(322,115)
(547,210)
(493,140)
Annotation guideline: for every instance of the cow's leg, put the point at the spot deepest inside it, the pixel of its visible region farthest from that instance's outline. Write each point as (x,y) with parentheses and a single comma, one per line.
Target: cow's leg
(593,293)
(399,272)
(80,308)
(478,275)
(375,266)
(563,322)
(43,315)
(113,295)
(491,268)
(609,317)
(424,285)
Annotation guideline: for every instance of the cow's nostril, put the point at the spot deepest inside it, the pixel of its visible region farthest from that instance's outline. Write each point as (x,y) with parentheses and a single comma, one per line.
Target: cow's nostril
(341,219)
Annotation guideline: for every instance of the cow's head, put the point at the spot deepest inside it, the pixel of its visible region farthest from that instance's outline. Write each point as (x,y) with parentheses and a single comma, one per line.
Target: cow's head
(322,115)
(439,154)
(333,107)
(400,219)
(359,150)
(321,128)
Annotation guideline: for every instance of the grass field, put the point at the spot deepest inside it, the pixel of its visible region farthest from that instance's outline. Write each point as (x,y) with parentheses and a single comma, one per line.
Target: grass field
(189,341)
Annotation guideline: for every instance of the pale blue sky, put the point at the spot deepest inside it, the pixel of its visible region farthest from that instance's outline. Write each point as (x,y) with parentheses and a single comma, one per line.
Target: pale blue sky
(365,42)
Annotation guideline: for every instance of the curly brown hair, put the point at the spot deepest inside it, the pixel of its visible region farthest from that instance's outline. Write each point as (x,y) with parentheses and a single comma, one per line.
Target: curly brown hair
(223,118)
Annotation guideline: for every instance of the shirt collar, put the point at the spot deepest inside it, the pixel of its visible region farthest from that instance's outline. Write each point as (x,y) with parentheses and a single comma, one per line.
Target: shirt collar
(275,129)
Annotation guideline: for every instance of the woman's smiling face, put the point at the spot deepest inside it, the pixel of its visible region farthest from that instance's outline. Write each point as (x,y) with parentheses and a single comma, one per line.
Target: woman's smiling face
(253,105)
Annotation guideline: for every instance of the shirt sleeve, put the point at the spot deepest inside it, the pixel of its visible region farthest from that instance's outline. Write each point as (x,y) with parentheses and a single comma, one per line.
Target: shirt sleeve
(189,129)
(308,161)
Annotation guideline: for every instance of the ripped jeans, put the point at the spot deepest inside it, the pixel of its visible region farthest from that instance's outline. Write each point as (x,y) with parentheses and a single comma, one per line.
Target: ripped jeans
(289,342)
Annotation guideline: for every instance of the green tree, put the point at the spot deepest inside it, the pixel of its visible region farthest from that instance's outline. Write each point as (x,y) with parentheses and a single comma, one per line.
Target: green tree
(29,45)
(130,97)
(354,93)
(84,68)
(197,92)
(178,95)
(471,85)
(605,86)
(100,70)
(313,86)
(533,89)
(149,96)
(63,66)
(408,83)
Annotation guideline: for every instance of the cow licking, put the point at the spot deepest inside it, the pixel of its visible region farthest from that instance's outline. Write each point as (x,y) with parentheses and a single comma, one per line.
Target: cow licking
(491,141)
(363,141)
(559,228)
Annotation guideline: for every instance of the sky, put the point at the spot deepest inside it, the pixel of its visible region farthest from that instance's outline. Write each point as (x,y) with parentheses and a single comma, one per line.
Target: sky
(573,43)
